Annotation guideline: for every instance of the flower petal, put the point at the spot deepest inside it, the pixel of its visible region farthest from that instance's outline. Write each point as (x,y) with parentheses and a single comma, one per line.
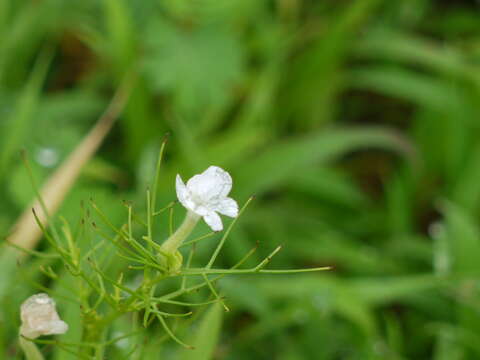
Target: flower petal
(228,207)
(39,317)
(182,193)
(211,184)
(213,220)
(222,179)
(180,188)
(201,210)
(56,327)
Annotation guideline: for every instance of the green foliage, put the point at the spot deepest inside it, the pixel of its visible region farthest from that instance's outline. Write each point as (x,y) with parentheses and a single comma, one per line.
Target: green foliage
(354,124)
(197,66)
(207,335)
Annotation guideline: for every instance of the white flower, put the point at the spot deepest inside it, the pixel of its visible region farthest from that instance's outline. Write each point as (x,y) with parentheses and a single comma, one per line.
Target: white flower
(206,195)
(39,317)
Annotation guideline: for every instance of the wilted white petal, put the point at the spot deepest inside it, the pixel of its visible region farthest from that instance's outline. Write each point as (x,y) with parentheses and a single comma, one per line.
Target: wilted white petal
(206,193)
(39,317)
(213,220)
(228,207)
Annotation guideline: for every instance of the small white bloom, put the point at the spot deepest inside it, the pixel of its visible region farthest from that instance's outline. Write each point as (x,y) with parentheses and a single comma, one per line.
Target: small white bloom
(39,317)
(206,195)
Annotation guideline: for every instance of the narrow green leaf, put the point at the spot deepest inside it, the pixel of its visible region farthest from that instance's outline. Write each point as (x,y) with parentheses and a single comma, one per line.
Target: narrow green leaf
(22,116)
(464,240)
(206,336)
(324,60)
(280,162)
(417,88)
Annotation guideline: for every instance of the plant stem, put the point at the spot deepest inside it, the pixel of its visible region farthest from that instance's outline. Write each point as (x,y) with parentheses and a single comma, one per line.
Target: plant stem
(30,349)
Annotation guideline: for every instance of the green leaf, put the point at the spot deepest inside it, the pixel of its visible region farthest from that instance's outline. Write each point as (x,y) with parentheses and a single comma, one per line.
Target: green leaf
(464,240)
(466,191)
(318,72)
(383,291)
(447,346)
(330,185)
(388,44)
(400,204)
(70,313)
(22,116)
(199,66)
(417,88)
(280,162)
(206,336)
(121,33)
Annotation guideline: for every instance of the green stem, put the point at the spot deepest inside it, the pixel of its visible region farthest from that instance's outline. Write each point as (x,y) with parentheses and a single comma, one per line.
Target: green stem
(30,349)
(173,242)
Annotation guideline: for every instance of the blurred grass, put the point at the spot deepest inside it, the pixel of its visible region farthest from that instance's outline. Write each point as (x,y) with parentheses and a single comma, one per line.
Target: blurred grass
(355,123)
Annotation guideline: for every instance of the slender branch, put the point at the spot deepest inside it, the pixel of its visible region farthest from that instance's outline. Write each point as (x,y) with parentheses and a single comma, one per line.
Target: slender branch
(224,237)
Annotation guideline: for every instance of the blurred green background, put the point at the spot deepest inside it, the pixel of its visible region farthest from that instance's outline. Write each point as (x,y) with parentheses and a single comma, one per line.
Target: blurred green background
(354,122)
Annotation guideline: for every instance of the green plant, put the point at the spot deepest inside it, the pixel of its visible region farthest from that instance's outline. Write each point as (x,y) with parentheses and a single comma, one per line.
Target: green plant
(90,251)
